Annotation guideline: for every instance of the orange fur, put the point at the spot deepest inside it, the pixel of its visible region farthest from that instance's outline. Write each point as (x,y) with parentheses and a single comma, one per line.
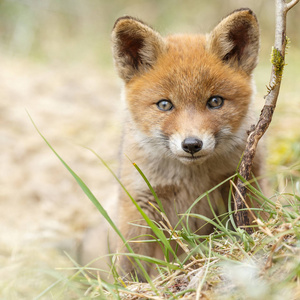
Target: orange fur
(192,147)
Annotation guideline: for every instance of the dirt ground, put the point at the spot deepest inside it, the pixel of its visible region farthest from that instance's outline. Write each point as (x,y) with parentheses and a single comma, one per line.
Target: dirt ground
(43,210)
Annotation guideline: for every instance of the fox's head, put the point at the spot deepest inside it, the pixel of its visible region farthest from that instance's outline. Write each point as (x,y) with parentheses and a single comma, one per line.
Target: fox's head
(188,95)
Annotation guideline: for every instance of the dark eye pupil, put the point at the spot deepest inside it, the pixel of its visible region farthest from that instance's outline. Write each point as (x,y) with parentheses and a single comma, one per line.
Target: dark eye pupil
(164,105)
(215,102)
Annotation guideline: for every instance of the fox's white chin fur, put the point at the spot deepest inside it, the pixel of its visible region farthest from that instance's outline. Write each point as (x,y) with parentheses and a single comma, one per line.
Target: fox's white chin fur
(188,160)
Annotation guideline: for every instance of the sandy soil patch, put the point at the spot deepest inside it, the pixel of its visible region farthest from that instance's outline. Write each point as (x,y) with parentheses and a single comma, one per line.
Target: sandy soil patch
(43,210)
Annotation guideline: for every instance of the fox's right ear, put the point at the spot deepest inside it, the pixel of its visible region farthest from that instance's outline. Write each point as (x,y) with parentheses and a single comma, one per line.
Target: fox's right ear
(135,46)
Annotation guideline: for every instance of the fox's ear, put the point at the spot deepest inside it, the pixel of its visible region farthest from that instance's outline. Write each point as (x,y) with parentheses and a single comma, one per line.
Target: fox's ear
(136,47)
(236,40)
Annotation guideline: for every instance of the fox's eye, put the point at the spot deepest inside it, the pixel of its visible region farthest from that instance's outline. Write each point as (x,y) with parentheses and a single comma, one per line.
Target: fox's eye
(164,105)
(215,102)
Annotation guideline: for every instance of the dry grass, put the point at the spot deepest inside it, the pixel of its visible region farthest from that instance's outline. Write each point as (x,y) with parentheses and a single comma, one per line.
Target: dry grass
(264,265)
(227,264)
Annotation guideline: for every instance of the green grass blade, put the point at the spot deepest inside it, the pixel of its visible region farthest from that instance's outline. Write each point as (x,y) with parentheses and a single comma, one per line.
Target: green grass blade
(152,260)
(108,287)
(94,200)
(83,186)
(187,213)
(150,187)
(48,289)
(213,211)
(157,231)
(199,288)
(230,209)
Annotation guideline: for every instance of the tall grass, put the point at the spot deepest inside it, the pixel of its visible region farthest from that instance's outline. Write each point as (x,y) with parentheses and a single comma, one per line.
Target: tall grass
(226,264)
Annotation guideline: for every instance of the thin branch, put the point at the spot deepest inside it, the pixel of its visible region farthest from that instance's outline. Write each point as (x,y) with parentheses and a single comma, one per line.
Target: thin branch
(291,4)
(256,132)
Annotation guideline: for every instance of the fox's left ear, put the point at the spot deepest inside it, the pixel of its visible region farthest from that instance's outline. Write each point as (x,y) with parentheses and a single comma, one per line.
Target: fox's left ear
(235,40)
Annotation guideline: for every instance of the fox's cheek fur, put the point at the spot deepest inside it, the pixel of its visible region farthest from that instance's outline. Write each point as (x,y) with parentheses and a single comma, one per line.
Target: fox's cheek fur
(152,123)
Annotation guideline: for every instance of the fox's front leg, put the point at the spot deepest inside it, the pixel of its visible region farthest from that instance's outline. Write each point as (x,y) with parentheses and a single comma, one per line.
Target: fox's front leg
(135,229)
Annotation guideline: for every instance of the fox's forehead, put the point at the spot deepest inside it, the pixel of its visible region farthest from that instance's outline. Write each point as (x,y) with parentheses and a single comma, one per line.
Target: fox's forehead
(185,43)
(188,54)
(186,63)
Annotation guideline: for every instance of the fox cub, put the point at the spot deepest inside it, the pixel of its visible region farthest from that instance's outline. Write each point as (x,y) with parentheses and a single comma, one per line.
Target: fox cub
(188,108)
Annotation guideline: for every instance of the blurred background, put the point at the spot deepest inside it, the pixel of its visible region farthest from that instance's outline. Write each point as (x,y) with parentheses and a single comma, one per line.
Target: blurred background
(56,63)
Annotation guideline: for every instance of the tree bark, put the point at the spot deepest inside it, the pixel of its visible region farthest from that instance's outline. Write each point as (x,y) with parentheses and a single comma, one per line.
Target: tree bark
(257,131)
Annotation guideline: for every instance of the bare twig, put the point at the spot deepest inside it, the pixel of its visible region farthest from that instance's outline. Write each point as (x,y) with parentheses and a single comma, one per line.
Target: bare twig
(244,201)
(278,62)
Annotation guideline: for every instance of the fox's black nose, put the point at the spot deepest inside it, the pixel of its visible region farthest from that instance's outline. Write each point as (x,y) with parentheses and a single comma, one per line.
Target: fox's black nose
(191,145)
